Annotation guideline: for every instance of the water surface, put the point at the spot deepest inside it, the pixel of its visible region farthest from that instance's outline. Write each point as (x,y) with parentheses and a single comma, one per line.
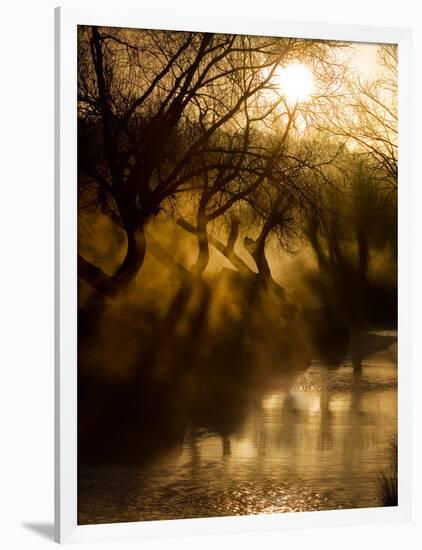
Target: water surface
(318,442)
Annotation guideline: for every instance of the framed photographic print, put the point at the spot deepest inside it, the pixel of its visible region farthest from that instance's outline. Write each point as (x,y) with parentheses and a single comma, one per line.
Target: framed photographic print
(232,275)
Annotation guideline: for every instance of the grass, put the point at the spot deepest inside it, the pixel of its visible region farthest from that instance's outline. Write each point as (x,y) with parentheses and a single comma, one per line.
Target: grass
(388,483)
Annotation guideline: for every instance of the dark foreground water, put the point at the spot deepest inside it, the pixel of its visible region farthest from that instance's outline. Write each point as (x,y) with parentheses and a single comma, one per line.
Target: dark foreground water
(319,442)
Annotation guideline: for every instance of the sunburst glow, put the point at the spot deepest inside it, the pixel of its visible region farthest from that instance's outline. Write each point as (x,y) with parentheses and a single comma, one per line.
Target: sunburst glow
(296,82)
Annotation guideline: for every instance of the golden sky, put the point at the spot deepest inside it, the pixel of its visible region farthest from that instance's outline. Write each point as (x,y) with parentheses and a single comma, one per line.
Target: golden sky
(365,59)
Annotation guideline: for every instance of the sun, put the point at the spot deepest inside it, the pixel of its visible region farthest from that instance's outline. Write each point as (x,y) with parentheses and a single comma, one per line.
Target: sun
(296,83)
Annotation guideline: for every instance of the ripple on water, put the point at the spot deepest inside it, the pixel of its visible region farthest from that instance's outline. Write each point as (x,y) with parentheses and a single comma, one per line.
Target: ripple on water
(373,377)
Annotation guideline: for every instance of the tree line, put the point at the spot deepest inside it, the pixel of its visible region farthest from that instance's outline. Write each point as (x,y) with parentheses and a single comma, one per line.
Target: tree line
(194,127)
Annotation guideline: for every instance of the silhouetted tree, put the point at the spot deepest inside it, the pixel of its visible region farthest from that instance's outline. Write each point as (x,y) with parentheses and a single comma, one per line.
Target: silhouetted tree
(367,118)
(150,105)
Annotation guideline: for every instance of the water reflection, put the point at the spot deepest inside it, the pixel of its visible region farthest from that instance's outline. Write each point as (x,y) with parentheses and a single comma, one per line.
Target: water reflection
(318,442)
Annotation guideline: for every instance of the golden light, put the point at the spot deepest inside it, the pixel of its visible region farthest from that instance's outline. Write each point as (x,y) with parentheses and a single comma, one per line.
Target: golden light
(296,83)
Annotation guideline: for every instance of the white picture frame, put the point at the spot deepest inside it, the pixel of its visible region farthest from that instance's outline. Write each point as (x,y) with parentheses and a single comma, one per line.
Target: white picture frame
(66,528)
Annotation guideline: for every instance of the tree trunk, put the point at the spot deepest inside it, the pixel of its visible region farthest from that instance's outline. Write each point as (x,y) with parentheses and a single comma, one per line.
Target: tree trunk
(261,261)
(94,276)
(112,286)
(203,247)
(132,263)
(256,249)
(225,250)
(312,234)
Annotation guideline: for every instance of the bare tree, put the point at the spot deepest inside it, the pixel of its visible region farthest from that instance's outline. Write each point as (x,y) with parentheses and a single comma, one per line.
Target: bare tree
(367,117)
(159,105)
(154,100)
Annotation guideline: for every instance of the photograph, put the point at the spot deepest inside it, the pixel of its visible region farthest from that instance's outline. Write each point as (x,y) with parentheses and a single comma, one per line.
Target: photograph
(237,274)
